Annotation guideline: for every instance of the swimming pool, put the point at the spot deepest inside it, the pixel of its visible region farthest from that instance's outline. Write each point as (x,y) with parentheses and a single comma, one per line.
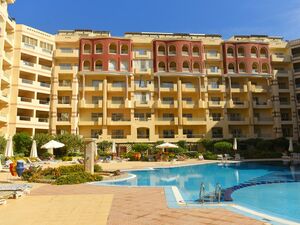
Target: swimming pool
(268,187)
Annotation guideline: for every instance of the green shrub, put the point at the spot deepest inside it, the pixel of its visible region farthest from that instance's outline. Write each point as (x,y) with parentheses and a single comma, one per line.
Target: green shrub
(182,144)
(97,168)
(31,174)
(192,154)
(63,170)
(208,144)
(73,144)
(67,158)
(223,147)
(141,148)
(77,178)
(209,155)
(104,146)
(2,144)
(22,144)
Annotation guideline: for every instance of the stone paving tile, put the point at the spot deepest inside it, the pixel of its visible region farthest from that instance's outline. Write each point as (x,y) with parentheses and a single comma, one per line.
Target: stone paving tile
(147,206)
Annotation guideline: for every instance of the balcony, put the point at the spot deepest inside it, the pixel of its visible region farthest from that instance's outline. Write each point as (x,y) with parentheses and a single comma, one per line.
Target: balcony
(115,104)
(116,88)
(283,88)
(3,117)
(216,104)
(143,70)
(167,104)
(259,88)
(238,121)
(215,87)
(64,103)
(5,77)
(143,104)
(66,69)
(284,104)
(90,104)
(237,104)
(280,58)
(213,71)
(37,49)
(95,87)
(189,88)
(282,73)
(148,87)
(4,97)
(63,121)
(262,104)
(212,56)
(66,53)
(119,121)
(25,119)
(142,54)
(263,120)
(172,88)
(64,85)
(194,121)
(189,104)
(92,122)
(166,121)
(238,88)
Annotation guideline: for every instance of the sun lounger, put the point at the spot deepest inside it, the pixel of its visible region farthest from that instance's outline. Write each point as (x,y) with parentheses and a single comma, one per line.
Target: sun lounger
(3,201)
(285,156)
(201,157)
(227,157)
(220,157)
(237,157)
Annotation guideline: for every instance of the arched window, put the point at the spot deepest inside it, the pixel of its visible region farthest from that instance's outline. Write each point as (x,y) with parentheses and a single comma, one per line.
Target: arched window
(241,52)
(185,66)
(173,67)
(265,68)
(242,68)
(86,65)
(161,50)
(254,68)
(172,50)
(112,48)
(112,65)
(124,65)
(87,49)
(185,50)
(98,65)
(263,53)
(161,66)
(230,52)
(124,49)
(196,51)
(253,52)
(196,67)
(99,48)
(231,68)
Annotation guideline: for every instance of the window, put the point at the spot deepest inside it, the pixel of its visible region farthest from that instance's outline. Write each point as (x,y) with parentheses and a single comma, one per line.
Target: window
(231,68)
(185,66)
(124,65)
(173,66)
(142,65)
(142,133)
(98,65)
(46,46)
(112,65)
(189,85)
(187,115)
(196,67)
(167,85)
(29,41)
(117,117)
(161,66)
(185,50)
(99,49)
(188,100)
(95,116)
(96,83)
(142,51)
(168,100)
(254,68)
(188,133)
(124,49)
(118,84)
(86,65)
(241,52)
(253,52)
(265,68)
(172,50)
(161,50)
(96,99)
(65,66)
(168,133)
(214,69)
(95,133)
(196,51)
(236,132)
(263,53)
(142,98)
(117,134)
(113,48)
(242,68)
(230,52)
(117,100)
(64,116)
(87,49)
(212,53)
(216,116)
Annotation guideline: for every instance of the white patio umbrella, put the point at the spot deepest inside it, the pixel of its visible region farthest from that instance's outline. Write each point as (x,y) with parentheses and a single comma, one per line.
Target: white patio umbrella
(113,148)
(291,147)
(52,144)
(9,148)
(235,147)
(33,152)
(166,145)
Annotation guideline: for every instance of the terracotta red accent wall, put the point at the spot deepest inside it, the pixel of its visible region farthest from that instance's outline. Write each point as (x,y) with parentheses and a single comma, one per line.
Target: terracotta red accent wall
(178,58)
(247,59)
(105,56)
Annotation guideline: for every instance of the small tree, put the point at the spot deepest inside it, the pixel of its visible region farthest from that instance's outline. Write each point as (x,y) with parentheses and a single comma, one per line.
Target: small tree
(223,147)
(73,144)
(207,144)
(182,144)
(2,144)
(141,148)
(104,146)
(22,143)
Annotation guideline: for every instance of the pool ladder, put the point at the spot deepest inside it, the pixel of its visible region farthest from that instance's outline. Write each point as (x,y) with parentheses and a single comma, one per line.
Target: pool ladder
(211,197)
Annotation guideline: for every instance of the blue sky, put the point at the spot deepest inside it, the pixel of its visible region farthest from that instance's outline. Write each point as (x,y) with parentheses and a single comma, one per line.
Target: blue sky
(225,17)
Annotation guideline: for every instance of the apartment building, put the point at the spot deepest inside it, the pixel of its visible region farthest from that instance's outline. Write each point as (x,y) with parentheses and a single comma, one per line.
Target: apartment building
(147,87)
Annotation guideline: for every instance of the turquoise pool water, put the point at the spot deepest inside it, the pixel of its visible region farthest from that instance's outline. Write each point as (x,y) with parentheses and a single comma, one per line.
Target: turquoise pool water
(268,187)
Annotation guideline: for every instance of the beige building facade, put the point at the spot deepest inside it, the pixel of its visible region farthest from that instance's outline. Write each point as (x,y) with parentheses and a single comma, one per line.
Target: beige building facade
(147,87)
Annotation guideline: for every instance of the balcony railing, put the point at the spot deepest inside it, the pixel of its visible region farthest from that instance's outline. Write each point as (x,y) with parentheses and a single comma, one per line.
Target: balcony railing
(26,63)
(44,84)
(25,118)
(63,119)
(25,99)
(26,81)
(43,120)
(143,136)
